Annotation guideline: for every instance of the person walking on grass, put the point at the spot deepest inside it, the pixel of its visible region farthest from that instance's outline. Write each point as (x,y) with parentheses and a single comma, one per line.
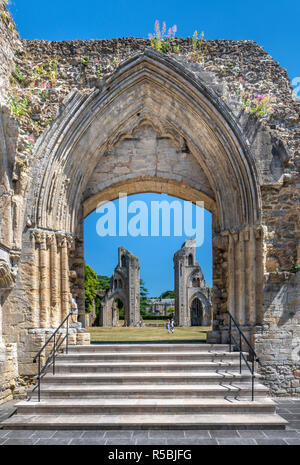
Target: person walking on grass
(168,325)
(172,325)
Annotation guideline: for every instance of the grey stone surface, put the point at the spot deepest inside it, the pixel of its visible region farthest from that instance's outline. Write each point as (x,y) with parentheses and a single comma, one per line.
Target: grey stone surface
(125,287)
(271,442)
(192,295)
(293,442)
(236,442)
(290,436)
(224,434)
(91,442)
(282,434)
(200,434)
(53,442)
(67,434)
(93,434)
(151,442)
(118,434)
(19,442)
(252,434)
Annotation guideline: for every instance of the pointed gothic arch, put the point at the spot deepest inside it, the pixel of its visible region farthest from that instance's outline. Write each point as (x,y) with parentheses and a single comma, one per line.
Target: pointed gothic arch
(202,154)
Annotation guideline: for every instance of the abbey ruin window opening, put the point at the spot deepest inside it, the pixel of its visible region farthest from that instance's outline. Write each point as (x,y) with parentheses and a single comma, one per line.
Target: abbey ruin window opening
(121,284)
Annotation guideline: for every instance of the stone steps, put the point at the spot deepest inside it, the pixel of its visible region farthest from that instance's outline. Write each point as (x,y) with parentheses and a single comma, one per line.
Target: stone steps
(153,377)
(242,390)
(144,406)
(158,386)
(123,422)
(148,347)
(144,367)
(177,356)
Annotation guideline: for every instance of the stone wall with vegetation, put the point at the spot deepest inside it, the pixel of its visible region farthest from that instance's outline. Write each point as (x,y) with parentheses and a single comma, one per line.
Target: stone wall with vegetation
(45,73)
(35,78)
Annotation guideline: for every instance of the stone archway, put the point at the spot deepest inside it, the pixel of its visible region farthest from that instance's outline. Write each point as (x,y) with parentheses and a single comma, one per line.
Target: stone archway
(124,287)
(199,310)
(152,127)
(246,171)
(196,312)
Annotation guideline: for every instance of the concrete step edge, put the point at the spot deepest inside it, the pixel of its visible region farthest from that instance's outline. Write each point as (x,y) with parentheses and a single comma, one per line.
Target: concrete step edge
(83,421)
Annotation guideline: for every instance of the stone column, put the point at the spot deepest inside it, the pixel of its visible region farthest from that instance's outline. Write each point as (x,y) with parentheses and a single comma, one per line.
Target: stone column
(35,279)
(237,277)
(0,319)
(65,286)
(78,266)
(259,235)
(297,232)
(44,281)
(231,275)
(241,265)
(251,314)
(54,275)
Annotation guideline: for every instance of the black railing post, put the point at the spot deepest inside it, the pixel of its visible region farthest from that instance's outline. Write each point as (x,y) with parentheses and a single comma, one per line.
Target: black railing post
(67,341)
(54,352)
(240,354)
(253,376)
(252,351)
(229,333)
(39,380)
(52,357)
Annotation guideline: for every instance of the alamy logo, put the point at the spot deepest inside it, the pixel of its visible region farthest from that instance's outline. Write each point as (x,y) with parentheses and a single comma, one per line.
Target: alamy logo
(135,218)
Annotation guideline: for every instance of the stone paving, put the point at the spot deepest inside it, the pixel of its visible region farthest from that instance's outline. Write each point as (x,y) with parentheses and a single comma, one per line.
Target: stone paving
(288,408)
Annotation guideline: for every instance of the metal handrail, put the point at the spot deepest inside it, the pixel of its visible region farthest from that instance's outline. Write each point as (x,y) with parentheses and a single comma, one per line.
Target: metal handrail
(51,359)
(239,347)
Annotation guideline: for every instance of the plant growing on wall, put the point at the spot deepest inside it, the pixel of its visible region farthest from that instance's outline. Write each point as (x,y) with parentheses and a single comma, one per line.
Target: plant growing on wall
(52,70)
(85,61)
(164,41)
(294,267)
(43,92)
(253,102)
(30,143)
(98,67)
(199,48)
(46,72)
(19,75)
(19,102)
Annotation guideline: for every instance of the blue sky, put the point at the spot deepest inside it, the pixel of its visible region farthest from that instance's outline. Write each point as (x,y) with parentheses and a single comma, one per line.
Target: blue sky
(155,253)
(272,24)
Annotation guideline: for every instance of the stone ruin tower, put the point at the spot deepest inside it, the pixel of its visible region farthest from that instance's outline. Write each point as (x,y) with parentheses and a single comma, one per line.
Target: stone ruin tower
(125,286)
(192,296)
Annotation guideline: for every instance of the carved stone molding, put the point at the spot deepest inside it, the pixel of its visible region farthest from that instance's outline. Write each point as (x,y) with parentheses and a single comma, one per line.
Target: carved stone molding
(8,269)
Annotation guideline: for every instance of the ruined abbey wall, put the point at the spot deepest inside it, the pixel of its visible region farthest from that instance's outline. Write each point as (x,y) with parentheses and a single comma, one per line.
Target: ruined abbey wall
(39,80)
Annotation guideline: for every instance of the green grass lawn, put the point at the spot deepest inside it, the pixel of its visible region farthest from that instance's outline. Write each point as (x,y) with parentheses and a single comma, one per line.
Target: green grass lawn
(147,334)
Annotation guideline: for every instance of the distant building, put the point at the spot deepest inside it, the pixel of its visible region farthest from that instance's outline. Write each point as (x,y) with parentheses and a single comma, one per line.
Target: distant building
(192,296)
(160,306)
(124,287)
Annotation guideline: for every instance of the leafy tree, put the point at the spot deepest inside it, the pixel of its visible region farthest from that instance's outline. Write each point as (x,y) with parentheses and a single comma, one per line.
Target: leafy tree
(144,300)
(103,282)
(91,287)
(167,295)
